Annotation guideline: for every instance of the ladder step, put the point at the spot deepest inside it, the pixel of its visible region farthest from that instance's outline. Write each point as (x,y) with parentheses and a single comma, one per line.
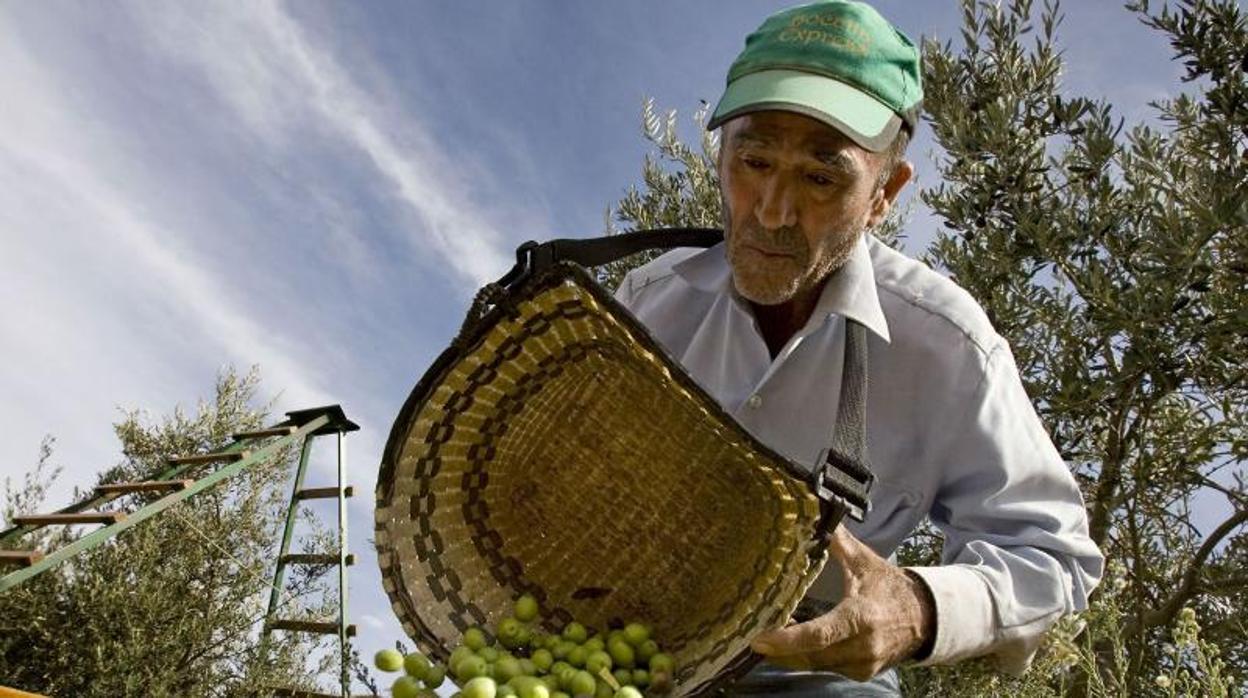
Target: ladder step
(86,517)
(208,458)
(309,626)
(264,433)
(324,493)
(146,486)
(315,559)
(20,558)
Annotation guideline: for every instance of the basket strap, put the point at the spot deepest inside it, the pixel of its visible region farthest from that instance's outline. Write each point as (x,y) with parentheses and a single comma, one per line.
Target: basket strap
(846,472)
(533,257)
(593,252)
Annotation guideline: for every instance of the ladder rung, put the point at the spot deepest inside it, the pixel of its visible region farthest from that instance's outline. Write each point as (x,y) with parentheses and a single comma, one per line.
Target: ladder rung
(264,433)
(315,559)
(324,493)
(21,558)
(146,486)
(309,626)
(88,517)
(208,458)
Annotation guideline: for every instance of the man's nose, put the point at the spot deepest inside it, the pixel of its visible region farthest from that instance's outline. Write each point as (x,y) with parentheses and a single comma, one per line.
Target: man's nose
(776,207)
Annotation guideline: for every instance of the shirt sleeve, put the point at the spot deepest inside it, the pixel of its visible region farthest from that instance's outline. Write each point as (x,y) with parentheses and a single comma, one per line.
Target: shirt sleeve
(1016,555)
(624,294)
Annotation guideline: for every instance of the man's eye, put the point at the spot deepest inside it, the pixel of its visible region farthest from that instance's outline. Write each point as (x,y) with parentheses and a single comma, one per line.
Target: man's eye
(754,163)
(820,180)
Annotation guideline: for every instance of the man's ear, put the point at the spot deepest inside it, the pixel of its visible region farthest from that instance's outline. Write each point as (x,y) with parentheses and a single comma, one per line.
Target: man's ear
(887,194)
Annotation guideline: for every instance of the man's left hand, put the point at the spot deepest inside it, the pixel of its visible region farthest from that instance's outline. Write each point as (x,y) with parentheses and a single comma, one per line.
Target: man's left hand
(883,618)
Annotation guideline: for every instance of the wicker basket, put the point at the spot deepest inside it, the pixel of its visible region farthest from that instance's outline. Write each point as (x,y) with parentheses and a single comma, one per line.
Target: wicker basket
(555,449)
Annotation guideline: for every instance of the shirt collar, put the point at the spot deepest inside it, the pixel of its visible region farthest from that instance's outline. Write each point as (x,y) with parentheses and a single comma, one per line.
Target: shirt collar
(849,292)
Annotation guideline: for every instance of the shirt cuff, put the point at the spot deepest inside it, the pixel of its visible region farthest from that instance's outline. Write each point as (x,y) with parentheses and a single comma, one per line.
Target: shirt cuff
(965,619)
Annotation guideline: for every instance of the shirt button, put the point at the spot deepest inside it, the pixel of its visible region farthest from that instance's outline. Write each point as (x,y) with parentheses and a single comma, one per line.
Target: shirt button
(755,401)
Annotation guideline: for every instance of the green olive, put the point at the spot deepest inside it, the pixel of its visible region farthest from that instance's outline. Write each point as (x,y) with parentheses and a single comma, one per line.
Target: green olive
(507,668)
(470,668)
(636,633)
(435,676)
(406,687)
(543,659)
(623,676)
(416,664)
(622,653)
(583,684)
(526,608)
(597,661)
(474,639)
(575,632)
(388,660)
(480,687)
(562,650)
(661,662)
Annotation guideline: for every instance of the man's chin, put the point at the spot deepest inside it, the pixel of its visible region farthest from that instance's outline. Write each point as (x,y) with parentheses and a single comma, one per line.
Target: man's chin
(765,294)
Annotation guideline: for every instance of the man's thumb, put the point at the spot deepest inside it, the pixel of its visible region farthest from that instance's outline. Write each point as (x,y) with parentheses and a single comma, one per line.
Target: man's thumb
(810,636)
(845,546)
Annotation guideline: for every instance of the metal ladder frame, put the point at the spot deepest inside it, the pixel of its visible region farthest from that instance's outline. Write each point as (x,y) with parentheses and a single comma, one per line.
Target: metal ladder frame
(300,424)
(342,558)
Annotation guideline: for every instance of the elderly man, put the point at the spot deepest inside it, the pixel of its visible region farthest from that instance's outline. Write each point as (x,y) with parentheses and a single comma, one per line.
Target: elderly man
(817,112)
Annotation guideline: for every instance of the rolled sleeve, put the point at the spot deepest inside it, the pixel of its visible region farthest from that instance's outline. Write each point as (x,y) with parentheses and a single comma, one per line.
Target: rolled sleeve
(624,293)
(1017,555)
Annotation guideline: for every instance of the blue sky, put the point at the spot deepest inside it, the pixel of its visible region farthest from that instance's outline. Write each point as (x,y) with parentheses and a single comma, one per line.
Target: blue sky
(319,188)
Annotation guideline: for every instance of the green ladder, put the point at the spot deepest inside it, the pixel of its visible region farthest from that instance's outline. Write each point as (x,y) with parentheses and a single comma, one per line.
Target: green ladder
(340,557)
(248,449)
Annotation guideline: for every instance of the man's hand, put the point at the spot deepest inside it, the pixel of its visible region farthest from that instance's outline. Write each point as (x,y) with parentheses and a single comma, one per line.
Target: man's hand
(883,619)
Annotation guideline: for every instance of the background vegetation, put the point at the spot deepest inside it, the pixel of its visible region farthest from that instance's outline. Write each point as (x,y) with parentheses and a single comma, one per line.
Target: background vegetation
(171,606)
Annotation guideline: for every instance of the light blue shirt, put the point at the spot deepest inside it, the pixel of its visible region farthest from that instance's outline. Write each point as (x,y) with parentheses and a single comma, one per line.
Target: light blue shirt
(951,433)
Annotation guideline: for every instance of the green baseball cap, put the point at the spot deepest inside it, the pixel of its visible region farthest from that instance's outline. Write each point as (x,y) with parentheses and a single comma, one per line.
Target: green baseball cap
(836,61)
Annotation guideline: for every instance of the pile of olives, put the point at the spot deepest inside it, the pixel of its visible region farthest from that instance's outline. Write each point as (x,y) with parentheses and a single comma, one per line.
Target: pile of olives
(528,663)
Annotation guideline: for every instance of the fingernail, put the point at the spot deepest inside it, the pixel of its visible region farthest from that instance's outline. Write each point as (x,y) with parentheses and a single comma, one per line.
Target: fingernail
(761,647)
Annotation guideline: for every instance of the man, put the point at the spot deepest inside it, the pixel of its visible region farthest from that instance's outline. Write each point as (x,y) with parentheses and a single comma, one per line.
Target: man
(815,117)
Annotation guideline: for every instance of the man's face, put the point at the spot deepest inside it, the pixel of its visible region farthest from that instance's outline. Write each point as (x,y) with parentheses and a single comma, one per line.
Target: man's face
(797,195)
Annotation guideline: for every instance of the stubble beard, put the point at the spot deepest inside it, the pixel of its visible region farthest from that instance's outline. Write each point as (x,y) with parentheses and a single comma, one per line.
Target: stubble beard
(776,280)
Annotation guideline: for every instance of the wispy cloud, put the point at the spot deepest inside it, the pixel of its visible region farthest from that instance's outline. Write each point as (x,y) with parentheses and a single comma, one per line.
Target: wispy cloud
(262,63)
(99,274)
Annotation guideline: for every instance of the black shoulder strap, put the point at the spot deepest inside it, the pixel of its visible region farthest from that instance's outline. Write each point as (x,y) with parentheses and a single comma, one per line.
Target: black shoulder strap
(532,257)
(847,470)
(845,477)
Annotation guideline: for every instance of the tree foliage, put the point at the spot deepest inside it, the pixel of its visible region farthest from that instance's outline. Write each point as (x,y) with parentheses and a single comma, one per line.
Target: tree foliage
(169,607)
(1114,259)
(680,187)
